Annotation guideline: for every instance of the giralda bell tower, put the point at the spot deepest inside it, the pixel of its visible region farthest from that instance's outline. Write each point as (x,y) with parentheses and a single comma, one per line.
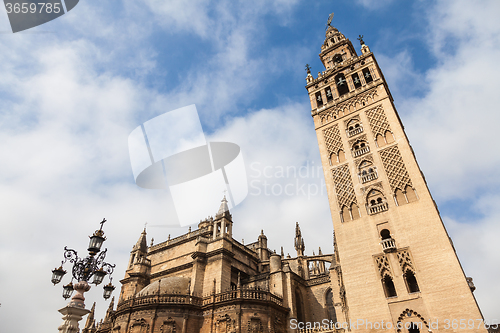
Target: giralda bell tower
(397,261)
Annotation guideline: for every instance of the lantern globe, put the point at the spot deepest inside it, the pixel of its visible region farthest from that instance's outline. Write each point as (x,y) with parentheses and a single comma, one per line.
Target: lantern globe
(108,289)
(96,241)
(68,290)
(99,276)
(57,275)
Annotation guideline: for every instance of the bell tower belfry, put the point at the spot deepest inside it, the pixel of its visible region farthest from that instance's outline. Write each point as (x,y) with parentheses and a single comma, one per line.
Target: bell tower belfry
(399,266)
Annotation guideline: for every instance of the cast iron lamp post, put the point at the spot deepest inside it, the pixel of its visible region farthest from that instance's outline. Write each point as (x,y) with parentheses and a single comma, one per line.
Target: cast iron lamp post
(92,266)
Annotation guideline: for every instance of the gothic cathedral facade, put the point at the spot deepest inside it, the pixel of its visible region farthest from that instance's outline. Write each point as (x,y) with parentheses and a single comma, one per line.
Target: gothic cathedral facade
(398,262)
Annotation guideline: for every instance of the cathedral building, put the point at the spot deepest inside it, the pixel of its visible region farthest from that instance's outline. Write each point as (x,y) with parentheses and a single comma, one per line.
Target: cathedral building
(394,267)
(206,281)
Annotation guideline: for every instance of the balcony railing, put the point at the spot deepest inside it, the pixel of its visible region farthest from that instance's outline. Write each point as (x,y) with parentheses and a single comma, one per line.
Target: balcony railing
(381,207)
(388,245)
(354,131)
(361,151)
(368,176)
(239,294)
(160,299)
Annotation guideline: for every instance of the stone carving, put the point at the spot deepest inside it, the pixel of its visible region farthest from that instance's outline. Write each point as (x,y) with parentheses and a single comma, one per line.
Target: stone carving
(343,186)
(378,121)
(405,261)
(383,266)
(332,139)
(395,168)
(351,105)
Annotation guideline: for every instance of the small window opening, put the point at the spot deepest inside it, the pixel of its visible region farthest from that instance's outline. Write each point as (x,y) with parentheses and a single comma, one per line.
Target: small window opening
(329,95)
(341,84)
(319,99)
(411,282)
(367,75)
(356,80)
(390,290)
(385,234)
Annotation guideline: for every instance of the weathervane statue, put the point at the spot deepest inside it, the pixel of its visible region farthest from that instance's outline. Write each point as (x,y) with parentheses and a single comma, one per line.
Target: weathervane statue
(328,23)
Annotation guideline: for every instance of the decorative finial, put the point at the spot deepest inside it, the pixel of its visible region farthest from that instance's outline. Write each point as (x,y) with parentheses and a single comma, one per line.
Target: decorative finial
(308,69)
(328,23)
(152,241)
(361,41)
(103,221)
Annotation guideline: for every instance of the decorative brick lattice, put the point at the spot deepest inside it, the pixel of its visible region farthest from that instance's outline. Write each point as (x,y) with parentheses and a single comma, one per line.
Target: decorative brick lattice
(395,168)
(405,260)
(332,139)
(378,121)
(383,266)
(343,186)
(351,105)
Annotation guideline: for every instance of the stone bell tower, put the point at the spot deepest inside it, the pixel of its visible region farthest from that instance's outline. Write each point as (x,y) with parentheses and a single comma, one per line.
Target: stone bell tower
(400,270)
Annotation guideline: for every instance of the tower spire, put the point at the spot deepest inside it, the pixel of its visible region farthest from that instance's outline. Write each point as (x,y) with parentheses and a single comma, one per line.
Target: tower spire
(223,206)
(299,241)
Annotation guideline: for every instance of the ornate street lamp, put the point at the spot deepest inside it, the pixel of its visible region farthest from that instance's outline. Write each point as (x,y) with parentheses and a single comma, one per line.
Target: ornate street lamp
(68,290)
(57,275)
(82,271)
(108,289)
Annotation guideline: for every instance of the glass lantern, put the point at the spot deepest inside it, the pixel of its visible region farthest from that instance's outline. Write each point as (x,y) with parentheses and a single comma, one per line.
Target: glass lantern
(96,241)
(108,289)
(57,275)
(68,290)
(99,276)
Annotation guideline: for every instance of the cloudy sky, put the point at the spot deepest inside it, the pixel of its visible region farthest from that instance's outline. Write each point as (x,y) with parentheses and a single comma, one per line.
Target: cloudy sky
(72,90)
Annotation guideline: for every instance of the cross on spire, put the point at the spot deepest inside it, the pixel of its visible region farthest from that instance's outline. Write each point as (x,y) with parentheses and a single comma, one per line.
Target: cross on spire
(101,223)
(361,41)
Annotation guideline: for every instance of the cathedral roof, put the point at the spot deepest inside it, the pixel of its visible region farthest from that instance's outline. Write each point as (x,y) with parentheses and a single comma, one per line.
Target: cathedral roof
(168,285)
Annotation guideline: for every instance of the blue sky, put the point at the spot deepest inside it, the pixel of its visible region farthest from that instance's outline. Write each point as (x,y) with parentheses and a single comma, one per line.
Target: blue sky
(72,90)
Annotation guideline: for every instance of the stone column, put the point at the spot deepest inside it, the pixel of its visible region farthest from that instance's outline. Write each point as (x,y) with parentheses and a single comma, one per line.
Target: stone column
(75,310)
(71,316)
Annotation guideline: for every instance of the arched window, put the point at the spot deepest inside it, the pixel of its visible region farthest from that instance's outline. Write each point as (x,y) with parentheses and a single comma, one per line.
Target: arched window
(360,147)
(411,282)
(380,140)
(299,306)
(400,197)
(367,75)
(354,127)
(342,86)
(385,234)
(356,80)
(410,194)
(389,138)
(388,244)
(345,214)
(333,159)
(319,99)
(332,315)
(329,95)
(389,289)
(367,172)
(376,202)
(354,211)
(341,156)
